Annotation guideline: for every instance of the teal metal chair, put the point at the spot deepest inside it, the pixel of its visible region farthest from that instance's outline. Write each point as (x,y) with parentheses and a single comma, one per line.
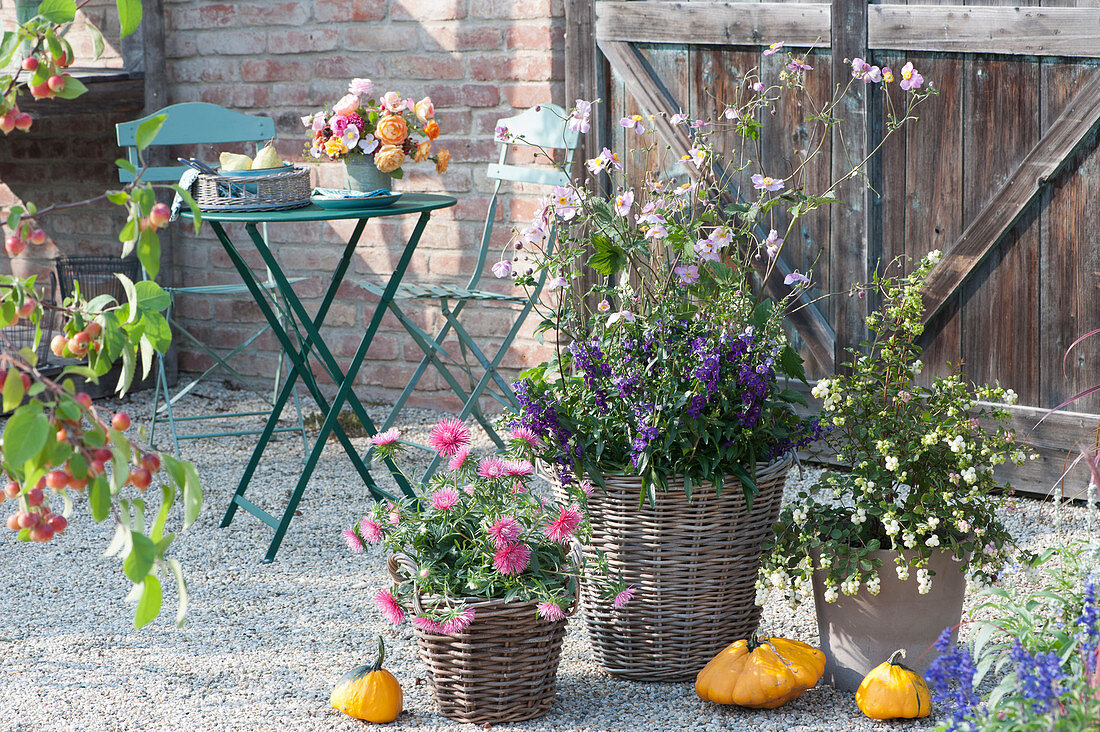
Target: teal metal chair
(197,123)
(544,127)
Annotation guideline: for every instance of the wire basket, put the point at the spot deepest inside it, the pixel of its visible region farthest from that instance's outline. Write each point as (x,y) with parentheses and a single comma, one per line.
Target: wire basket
(500,669)
(693,563)
(96,274)
(288,188)
(20,335)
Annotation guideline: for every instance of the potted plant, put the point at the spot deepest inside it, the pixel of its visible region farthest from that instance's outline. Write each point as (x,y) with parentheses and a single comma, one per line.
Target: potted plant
(886,545)
(484,570)
(672,393)
(375,138)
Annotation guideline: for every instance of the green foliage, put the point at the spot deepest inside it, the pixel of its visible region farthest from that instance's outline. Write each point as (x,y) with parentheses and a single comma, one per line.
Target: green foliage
(922,465)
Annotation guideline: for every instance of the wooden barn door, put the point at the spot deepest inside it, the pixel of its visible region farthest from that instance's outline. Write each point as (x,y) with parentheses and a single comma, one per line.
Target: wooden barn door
(1001,171)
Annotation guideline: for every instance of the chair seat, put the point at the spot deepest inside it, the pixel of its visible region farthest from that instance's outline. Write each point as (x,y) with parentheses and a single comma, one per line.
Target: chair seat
(238,289)
(416,291)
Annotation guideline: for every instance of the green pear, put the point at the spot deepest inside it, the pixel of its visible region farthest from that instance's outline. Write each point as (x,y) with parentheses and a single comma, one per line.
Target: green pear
(233,161)
(267,158)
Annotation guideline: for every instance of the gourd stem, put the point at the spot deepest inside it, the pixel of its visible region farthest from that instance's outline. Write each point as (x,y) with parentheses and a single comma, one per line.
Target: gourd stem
(381,655)
(893,657)
(754,642)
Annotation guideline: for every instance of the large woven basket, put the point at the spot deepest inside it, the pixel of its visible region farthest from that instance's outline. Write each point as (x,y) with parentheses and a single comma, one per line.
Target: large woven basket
(501,669)
(287,188)
(694,566)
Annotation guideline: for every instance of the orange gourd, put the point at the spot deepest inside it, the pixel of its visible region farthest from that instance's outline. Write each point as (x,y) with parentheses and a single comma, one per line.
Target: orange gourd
(893,691)
(760,673)
(369,692)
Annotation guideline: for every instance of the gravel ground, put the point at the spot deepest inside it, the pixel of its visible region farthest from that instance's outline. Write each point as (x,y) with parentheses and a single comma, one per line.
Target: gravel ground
(265,643)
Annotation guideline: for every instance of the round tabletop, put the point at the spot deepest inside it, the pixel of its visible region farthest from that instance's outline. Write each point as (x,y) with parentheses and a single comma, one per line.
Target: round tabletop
(407,204)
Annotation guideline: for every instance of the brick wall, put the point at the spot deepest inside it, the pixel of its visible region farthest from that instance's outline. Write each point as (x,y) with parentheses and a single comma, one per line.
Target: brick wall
(479,60)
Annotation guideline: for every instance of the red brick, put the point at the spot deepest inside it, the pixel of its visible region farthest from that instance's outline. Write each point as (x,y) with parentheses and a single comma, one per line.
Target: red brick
(440,66)
(535,37)
(270,13)
(530,67)
(343,11)
(228,43)
(527,95)
(428,10)
(272,70)
(515,9)
(452,37)
(303,41)
(368,38)
(239,96)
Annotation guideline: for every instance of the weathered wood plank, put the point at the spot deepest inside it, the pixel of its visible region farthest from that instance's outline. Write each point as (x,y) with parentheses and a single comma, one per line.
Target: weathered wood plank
(713,23)
(849,223)
(1069,259)
(1032,31)
(1006,205)
(641,82)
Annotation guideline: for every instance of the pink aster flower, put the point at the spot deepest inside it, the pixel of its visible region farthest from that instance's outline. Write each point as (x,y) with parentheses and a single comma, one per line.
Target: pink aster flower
(428,625)
(518,467)
(459,459)
(911,80)
(766,183)
(773,243)
(623,598)
(798,64)
(623,202)
(581,118)
(492,468)
(550,611)
(518,487)
(370,530)
(688,273)
(504,532)
(352,540)
(563,527)
(460,622)
(512,559)
(758,87)
(445,499)
(449,436)
(587,487)
(797,279)
(394,515)
(389,606)
(633,122)
(388,437)
(527,435)
(773,49)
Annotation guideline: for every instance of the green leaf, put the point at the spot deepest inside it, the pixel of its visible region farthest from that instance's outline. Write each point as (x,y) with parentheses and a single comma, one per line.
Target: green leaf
(192,495)
(791,363)
(73,88)
(25,434)
(13,389)
(148,607)
(140,560)
(129,363)
(58,11)
(151,295)
(155,327)
(97,40)
(129,15)
(167,498)
(148,353)
(120,539)
(147,131)
(608,258)
(131,296)
(126,165)
(8,45)
(181,586)
(99,498)
(148,251)
(196,213)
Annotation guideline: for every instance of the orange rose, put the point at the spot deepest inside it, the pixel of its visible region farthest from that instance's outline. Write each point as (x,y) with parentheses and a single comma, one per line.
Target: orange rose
(422,151)
(388,158)
(391,129)
(442,160)
(432,130)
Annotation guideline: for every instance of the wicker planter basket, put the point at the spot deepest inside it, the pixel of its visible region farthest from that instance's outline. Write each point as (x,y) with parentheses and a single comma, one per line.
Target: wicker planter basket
(287,188)
(502,668)
(694,564)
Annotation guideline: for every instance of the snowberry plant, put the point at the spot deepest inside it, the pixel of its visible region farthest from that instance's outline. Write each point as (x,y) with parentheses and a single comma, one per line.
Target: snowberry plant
(477,533)
(922,466)
(678,362)
(57,445)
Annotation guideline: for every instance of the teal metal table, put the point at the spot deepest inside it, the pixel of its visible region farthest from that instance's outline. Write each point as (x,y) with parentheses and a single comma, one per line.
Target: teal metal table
(307,341)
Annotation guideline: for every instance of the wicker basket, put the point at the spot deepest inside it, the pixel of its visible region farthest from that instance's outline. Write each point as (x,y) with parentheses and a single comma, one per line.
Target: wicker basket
(288,188)
(694,566)
(501,669)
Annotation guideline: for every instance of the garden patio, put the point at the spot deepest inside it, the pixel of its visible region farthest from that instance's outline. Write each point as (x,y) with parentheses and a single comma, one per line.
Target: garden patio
(564,352)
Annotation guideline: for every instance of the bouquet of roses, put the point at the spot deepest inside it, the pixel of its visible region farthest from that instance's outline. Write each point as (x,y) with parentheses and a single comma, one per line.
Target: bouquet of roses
(480,533)
(385,131)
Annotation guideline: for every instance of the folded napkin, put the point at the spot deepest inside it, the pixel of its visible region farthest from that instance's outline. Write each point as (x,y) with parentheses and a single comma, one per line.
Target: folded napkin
(186,180)
(344,193)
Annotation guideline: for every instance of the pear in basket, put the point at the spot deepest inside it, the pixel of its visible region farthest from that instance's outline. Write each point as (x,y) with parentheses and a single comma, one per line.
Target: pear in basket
(232,161)
(267,158)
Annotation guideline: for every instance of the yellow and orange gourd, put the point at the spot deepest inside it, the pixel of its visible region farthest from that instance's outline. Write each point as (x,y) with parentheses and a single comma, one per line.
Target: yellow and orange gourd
(760,673)
(893,691)
(369,692)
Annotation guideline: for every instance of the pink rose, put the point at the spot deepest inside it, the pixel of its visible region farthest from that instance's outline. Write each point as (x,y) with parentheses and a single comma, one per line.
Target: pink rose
(424,109)
(339,124)
(393,102)
(363,87)
(347,104)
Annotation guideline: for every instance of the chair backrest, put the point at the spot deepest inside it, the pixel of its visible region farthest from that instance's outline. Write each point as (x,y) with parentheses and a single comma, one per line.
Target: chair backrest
(545,127)
(192,123)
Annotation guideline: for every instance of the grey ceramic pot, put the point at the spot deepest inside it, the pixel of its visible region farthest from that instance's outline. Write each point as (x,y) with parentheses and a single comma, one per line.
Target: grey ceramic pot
(860,631)
(362,175)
